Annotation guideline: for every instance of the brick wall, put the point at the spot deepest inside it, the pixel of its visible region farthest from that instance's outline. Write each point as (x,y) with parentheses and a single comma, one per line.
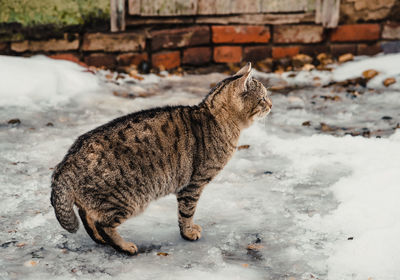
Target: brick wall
(204,44)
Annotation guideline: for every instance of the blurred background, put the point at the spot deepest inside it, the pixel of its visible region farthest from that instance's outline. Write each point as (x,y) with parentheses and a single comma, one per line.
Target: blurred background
(168,34)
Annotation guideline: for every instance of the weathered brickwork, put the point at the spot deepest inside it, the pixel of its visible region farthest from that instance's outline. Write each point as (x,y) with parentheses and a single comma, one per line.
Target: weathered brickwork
(166,60)
(240,34)
(228,54)
(356,32)
(171,46)
(298,34)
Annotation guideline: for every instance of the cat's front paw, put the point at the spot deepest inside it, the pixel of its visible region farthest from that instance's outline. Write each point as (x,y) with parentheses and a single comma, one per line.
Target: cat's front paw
(192,233)
(129,248)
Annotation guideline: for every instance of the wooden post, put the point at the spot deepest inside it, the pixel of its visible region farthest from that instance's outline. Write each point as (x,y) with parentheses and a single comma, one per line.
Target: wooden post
(117,15)
(327,12)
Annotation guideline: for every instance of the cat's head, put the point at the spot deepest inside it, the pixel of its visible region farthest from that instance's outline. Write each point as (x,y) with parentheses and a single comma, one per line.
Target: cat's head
(241,97)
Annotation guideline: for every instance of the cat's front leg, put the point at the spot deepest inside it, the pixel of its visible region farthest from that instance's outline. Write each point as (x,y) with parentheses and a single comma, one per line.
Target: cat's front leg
(187,202)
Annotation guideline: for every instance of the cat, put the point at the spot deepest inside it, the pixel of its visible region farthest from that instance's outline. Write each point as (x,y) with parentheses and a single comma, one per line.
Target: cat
(114,171)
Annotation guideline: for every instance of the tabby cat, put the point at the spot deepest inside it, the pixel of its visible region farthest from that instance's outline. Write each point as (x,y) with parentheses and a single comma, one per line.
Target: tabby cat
(114,171)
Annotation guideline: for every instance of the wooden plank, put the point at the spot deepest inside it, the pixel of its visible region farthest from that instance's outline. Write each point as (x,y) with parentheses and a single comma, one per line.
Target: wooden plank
(327,12)
(226,19)
(258,19)
(168,7)
(134,7)
(279,6)
(117,18)
(214,7)
(130,21)
(245,6)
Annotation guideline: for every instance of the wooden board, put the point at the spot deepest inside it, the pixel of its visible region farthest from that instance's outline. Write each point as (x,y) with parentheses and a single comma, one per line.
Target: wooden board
(217,7)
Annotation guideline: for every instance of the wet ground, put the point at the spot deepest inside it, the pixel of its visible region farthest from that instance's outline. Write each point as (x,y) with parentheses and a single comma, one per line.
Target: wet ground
(254,214)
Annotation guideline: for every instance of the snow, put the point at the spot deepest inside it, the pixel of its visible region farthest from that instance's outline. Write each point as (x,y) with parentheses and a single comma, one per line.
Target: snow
(317,205)
(386,65)
(40,77)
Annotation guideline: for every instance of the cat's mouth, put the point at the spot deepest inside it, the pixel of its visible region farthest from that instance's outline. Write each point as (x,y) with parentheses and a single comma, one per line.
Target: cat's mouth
(261,113)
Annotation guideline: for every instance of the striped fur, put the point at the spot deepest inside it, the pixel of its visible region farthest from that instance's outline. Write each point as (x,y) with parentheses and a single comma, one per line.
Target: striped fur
(114,171)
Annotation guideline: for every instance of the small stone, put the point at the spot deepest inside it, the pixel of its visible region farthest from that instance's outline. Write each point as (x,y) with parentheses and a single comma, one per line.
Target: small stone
(350,238)
(345,57)
(268,172)
(369,74)
(386,118)
(49,124)
(20,245)
(246,265)
(14,121)
(324,59)
(308,67)
(389,81)
(299,60)
(306,123)
(243,147)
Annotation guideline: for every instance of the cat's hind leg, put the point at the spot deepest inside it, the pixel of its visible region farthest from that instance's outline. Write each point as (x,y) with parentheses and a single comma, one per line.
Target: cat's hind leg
(108,231)
(90,227)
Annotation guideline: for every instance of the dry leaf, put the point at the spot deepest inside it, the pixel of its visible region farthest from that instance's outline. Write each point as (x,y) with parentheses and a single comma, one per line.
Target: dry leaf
(345,57)
(162,254)
(387,82)
(20,245)
(254,247)
(243,147)
(369,74)
(109,76)
(245,265)
(30,263)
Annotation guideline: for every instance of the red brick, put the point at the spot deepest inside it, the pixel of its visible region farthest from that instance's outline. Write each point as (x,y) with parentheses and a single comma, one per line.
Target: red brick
(166,60)
(65,44)
(228,54)
(298,33)
(127,59)
(3,46)
(197,56)
(369,49)
(240,34)
(101,59)
(181,37)
(281,52)
(391,31)
(339,49)
(256,53)
(114,42)
(356,32)
(69,57)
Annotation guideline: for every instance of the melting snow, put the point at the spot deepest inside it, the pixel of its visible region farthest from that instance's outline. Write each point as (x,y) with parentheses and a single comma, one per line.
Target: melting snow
(313,205)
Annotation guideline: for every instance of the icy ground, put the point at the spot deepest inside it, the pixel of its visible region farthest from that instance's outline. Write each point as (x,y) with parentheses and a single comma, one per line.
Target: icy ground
(311,202)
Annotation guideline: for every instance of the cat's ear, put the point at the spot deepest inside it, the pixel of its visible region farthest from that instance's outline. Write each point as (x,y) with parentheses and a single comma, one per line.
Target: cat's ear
(244,70)
(246,75)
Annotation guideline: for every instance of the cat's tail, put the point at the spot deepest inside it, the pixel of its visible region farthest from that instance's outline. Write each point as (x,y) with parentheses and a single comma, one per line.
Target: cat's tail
(63,200)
